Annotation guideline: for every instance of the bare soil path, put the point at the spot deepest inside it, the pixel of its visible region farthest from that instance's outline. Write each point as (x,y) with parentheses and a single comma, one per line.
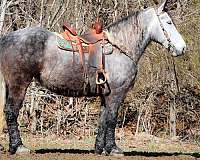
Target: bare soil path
(142,147)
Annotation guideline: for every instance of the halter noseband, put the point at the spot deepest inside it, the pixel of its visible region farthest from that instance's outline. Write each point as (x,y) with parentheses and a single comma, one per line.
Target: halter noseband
(170,47)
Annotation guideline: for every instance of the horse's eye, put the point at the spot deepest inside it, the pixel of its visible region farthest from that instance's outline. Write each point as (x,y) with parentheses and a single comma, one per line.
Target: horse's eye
(169,22)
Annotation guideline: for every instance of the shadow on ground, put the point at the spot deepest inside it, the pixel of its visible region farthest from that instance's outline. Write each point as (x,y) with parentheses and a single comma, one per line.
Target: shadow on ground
(132,153)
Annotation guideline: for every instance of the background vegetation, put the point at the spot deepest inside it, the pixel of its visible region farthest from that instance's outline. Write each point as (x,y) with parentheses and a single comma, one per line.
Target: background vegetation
(166,98)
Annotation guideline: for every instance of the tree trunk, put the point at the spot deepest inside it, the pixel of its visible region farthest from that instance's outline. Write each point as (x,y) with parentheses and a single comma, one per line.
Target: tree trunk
(2,16)
(173,120)
(2,102)
(2,85)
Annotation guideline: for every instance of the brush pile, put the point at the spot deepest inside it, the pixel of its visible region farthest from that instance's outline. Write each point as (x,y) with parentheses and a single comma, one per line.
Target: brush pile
(148,111)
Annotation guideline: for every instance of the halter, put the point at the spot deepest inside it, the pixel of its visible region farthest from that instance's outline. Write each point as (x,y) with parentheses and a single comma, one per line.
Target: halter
(170,47)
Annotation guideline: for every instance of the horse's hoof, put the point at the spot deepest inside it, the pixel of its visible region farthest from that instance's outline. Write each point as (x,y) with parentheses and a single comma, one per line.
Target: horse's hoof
(116,152)
(22,150)
(98,149)
(104,153)
(99,152)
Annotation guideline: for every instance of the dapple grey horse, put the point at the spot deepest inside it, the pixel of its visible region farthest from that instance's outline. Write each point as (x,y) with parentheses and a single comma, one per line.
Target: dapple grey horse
(33,52)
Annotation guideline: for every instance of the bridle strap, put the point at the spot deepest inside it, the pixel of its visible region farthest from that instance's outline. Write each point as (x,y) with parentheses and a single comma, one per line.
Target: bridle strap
(170,45)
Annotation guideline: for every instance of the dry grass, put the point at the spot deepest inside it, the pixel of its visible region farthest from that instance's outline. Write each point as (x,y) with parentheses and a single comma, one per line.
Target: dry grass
(142,146)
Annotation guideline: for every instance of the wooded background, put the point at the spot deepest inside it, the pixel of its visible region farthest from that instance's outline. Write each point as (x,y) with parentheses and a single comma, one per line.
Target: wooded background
(166,98)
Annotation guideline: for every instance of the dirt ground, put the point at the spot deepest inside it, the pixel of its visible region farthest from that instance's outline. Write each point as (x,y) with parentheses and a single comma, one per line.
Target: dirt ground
(67,156)
(141,147)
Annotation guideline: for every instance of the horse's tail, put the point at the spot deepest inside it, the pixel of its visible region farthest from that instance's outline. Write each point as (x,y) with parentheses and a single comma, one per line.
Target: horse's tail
(2,100)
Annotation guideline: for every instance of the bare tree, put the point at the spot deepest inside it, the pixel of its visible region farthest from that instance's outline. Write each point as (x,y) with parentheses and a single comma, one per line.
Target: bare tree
(2,93)
(2,16)
(2,102)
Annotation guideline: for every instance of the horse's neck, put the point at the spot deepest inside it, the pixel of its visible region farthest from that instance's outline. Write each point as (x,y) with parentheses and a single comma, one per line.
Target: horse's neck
(131,35)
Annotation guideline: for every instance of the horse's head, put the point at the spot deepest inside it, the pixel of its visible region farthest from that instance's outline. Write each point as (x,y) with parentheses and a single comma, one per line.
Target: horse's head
(165,32)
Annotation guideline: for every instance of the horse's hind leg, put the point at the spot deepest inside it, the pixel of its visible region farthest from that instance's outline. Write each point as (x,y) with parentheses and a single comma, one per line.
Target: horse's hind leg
(15,96)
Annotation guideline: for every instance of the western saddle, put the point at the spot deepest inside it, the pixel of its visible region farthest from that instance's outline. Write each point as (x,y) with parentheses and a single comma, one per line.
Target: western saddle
(85,44)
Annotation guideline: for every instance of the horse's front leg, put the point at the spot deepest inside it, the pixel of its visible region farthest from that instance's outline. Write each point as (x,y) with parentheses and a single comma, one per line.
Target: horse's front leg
(105,140)
(113,103)
(102,127)
(15,96)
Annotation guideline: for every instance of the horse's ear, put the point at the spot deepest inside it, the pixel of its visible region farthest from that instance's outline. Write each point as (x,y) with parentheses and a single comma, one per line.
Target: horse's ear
(161,7)
(167,5)
(170,5)
(145,4)
(156,2)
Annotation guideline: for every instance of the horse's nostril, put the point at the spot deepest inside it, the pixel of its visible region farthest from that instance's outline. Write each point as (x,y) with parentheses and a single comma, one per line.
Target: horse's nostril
(184,50)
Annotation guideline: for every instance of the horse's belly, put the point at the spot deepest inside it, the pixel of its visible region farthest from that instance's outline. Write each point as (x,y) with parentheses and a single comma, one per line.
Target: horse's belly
(62,77)
(68,80)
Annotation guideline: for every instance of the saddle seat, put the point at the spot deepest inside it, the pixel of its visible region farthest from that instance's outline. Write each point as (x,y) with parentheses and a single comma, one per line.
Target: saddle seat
(91,37)
(86,43)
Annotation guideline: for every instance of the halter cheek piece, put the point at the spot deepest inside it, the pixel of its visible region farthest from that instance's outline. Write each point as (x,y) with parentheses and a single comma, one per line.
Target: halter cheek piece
(170,47)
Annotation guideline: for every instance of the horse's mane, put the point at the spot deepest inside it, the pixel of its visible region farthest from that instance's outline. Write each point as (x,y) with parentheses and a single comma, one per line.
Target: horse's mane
(134,24)
(133,15)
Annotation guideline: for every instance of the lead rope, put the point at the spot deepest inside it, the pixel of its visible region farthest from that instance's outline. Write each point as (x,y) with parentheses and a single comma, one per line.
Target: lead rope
(174,68)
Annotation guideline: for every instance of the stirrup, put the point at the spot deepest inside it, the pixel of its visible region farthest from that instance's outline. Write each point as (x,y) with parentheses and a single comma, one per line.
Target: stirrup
(101,77)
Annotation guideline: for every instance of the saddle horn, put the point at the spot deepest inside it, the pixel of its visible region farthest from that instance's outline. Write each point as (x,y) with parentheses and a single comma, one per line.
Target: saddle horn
(98,26)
